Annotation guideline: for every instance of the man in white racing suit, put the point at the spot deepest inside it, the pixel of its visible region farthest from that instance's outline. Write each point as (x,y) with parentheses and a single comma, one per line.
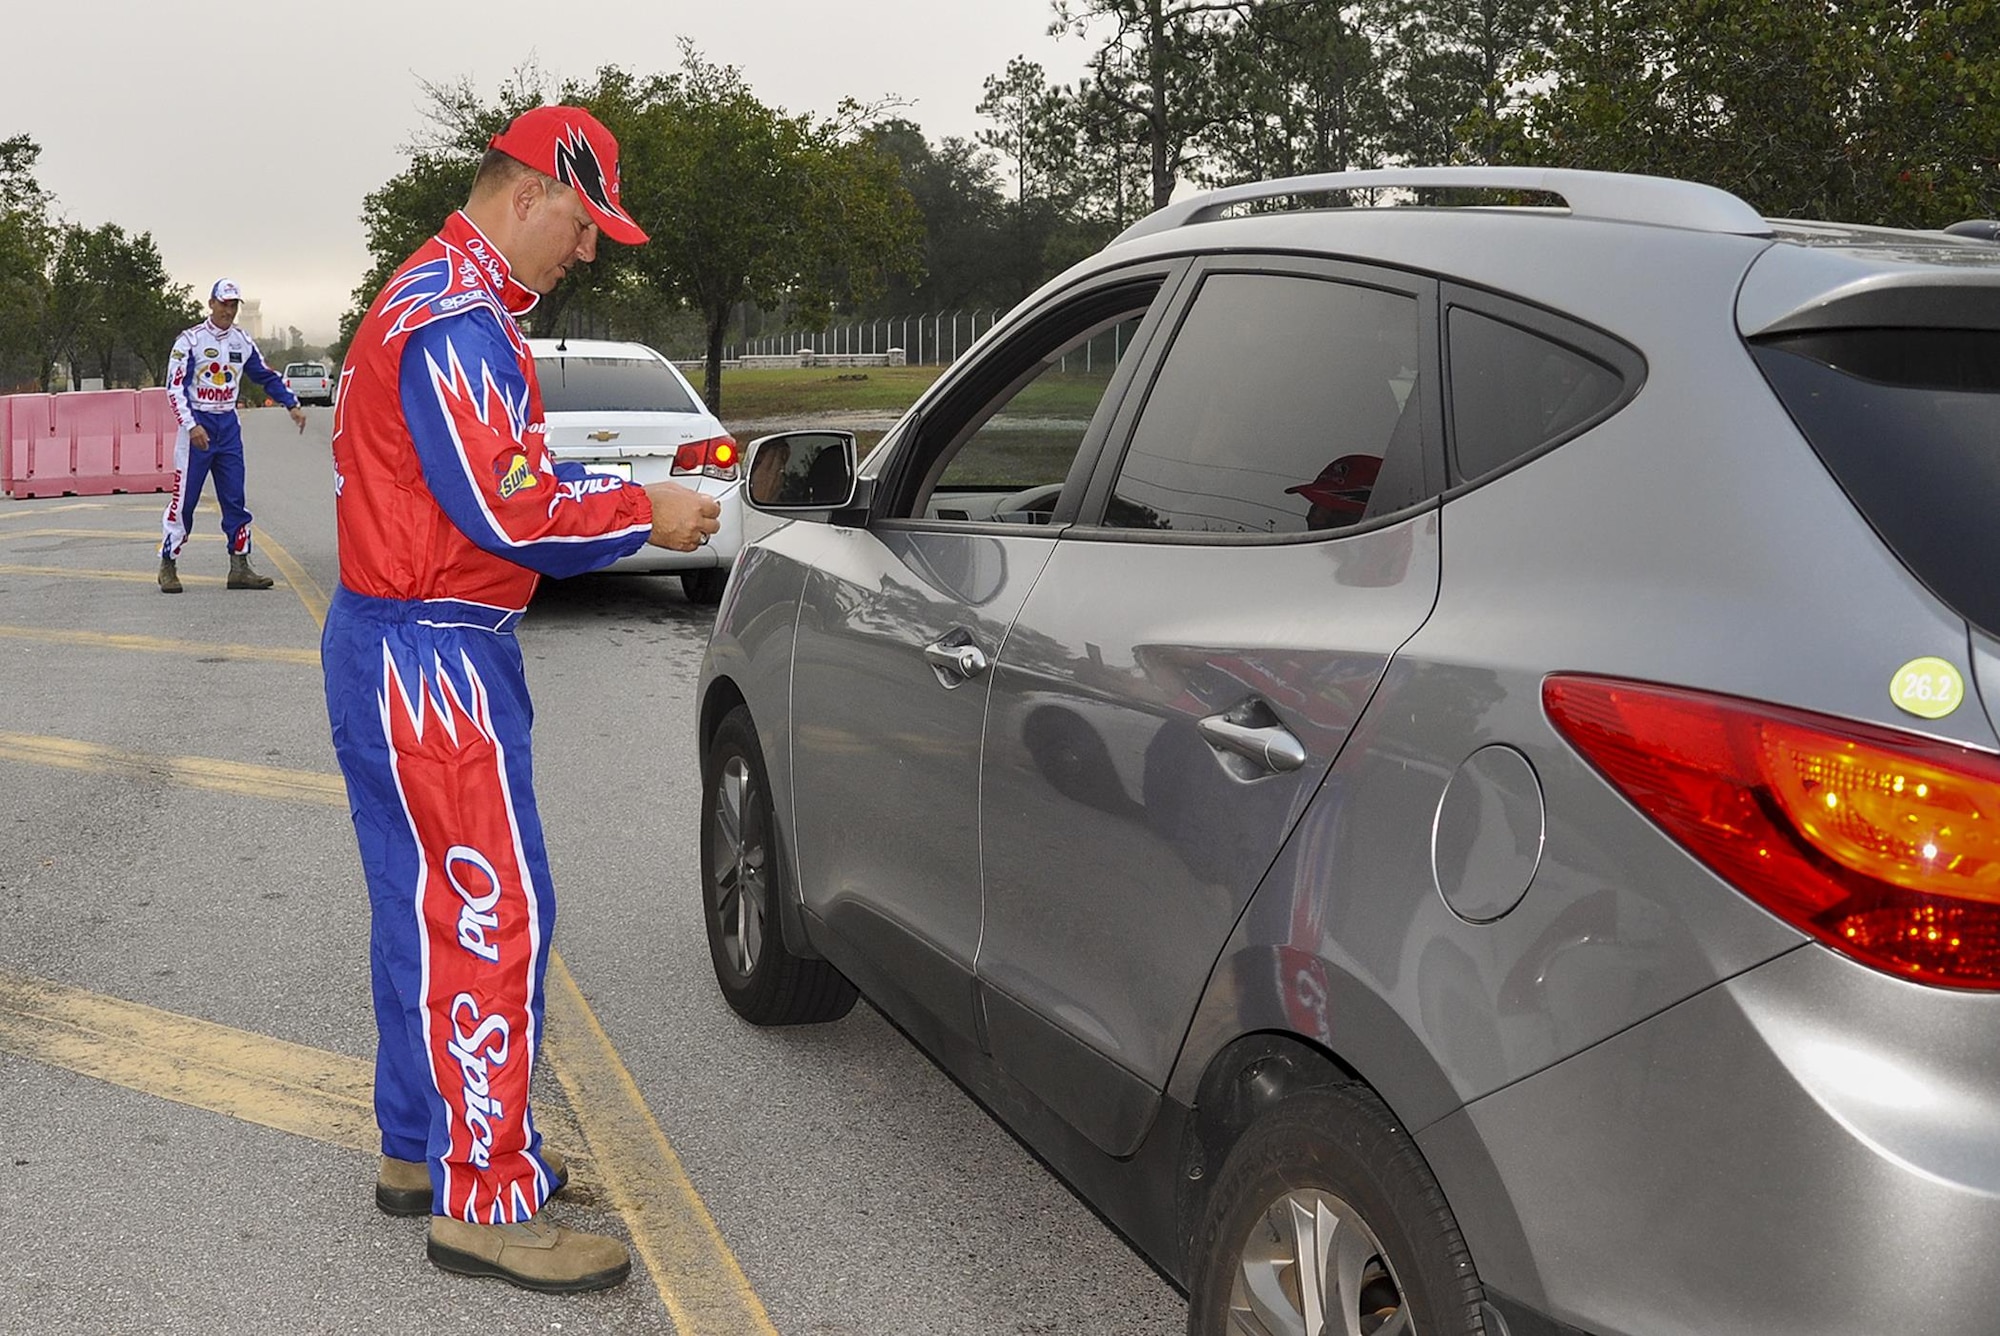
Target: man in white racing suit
(208,366)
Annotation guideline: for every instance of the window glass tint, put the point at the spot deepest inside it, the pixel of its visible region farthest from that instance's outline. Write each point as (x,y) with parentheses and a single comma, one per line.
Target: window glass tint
(1273,410)
(1908,422)
(610,385)
(1011,467)
(305,369)
(1514,391)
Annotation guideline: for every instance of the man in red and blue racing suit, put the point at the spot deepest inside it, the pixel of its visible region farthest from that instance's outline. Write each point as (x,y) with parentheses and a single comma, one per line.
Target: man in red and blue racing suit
(207,367)
(449,510)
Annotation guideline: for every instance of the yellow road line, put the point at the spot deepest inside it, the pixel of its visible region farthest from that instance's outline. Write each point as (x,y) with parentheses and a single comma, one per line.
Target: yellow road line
(130,577)
(253,781)
(324,1096)
(300,581)
(151,536)
(156,645)
(31,511)
(693,1269)
(705,1289)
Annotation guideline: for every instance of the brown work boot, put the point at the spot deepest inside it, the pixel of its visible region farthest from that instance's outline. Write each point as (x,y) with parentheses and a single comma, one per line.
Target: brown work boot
(535,1255)
(242,577)
(403,1187)
(170,578)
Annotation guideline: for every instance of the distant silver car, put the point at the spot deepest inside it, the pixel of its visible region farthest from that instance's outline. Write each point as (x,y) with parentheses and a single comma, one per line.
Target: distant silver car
(622,408)
(1437,763)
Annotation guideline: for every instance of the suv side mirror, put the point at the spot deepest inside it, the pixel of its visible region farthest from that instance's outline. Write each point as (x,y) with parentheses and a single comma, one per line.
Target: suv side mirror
(799,471)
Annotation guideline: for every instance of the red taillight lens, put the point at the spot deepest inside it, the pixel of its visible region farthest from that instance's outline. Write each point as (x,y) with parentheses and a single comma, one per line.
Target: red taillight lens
(713,458)
(1882,844)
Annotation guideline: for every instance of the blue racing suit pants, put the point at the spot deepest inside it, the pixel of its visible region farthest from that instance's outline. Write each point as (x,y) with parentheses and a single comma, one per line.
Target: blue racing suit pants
(429,706)
(224,459)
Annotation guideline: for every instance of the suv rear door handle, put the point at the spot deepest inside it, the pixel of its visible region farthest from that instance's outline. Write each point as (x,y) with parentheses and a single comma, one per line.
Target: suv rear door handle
(955,661)
(1273,749)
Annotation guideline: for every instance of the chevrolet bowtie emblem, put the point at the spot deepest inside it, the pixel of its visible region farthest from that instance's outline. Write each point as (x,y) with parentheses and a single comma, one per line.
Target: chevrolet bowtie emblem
(604,436)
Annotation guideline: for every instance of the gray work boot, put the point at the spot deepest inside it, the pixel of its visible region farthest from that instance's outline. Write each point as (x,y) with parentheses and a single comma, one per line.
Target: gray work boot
(535,1255)
(403,1187)
(242,577)
(170,579)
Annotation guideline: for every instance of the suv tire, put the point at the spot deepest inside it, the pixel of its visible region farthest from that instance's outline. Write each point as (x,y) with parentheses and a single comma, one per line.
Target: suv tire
(1332,1167)
(742,883)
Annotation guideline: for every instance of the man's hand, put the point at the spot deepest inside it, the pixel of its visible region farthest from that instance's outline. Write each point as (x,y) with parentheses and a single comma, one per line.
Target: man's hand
(299,416)
(682,518)
(198,437)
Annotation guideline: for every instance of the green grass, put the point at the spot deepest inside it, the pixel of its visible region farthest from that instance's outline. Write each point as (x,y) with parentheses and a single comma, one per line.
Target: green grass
(761,396)
(754,396)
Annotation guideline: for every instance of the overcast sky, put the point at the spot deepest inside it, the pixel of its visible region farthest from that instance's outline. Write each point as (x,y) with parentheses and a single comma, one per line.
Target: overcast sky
(243,137)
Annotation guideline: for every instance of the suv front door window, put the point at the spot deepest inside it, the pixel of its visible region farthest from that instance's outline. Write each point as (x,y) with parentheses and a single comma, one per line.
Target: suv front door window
(901,622)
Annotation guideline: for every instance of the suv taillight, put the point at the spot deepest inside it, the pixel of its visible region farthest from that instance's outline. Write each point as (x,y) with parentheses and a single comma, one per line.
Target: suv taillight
(713,458)
(1881,844)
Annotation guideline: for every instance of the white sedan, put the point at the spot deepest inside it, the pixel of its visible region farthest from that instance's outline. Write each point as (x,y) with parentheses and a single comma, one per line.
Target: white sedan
(623,409)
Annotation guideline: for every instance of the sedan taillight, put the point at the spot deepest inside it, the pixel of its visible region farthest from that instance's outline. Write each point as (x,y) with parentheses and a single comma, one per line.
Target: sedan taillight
(1881,844)
(712,458)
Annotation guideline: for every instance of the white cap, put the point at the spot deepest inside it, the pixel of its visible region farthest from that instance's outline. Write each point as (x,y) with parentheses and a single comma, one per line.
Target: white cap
(225,290)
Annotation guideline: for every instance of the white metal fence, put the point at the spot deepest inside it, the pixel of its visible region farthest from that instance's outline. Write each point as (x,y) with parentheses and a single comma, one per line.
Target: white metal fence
(935,338)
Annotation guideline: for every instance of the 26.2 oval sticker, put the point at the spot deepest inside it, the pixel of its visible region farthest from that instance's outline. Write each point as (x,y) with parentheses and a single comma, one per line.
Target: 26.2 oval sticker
(1927,688)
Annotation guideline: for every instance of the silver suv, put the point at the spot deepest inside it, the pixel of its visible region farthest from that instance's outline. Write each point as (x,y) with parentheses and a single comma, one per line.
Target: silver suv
(1433,761)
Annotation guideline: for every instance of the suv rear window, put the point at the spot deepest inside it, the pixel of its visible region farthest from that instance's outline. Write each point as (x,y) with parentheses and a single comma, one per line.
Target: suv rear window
(610,385)
(1908,422)
(305,369)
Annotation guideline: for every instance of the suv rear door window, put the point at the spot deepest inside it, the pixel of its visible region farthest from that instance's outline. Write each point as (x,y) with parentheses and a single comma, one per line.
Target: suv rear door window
(1274,409)
(1908,422)
(610,385)
(1514,391)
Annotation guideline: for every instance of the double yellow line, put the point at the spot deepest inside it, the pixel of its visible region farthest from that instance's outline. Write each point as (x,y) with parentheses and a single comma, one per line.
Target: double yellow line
(327,1096)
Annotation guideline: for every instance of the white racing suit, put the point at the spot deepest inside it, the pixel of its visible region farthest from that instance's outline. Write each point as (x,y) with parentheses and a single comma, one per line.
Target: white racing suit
(207,368)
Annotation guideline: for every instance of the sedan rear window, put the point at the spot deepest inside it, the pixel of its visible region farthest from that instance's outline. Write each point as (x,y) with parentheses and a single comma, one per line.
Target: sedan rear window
(610,385)
(1908,422)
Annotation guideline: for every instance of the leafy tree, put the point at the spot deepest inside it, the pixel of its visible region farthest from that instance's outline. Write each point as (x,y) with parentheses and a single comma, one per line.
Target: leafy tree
(746,203)
(1155,65)
(27,239)
(1039,128)
(956,189)
(73,305)
(743,202)
(136,308)
(1305,93)
(1880,111)
(1456,72)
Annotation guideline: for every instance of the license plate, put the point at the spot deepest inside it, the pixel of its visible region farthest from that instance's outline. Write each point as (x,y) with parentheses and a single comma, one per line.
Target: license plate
(616,468)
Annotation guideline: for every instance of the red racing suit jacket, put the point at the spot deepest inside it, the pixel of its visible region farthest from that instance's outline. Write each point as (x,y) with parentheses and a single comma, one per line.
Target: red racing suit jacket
(443,485)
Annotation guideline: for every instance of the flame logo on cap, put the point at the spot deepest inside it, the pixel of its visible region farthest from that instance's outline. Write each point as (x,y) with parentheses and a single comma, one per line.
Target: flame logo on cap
(578,168)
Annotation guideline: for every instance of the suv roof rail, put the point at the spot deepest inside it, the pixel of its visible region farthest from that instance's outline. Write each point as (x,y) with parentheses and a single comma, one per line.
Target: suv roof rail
(1614,196)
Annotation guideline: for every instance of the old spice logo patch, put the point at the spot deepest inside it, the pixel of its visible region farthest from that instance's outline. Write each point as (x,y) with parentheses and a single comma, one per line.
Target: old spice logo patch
(515,476)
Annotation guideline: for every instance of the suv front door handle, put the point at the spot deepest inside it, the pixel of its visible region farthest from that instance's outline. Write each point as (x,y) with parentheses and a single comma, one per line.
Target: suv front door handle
(1271,749)
(955,661)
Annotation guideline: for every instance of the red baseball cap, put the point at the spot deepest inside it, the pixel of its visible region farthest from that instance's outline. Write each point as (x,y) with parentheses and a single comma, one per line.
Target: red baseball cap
(1343,485)
(573,146)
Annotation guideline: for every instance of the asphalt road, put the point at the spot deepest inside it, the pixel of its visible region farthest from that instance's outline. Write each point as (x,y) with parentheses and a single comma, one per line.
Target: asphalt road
(201,1161)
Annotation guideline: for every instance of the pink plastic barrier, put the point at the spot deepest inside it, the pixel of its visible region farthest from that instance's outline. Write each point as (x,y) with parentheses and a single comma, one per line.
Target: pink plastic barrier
(146,461)
(25,420)
(87,444)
